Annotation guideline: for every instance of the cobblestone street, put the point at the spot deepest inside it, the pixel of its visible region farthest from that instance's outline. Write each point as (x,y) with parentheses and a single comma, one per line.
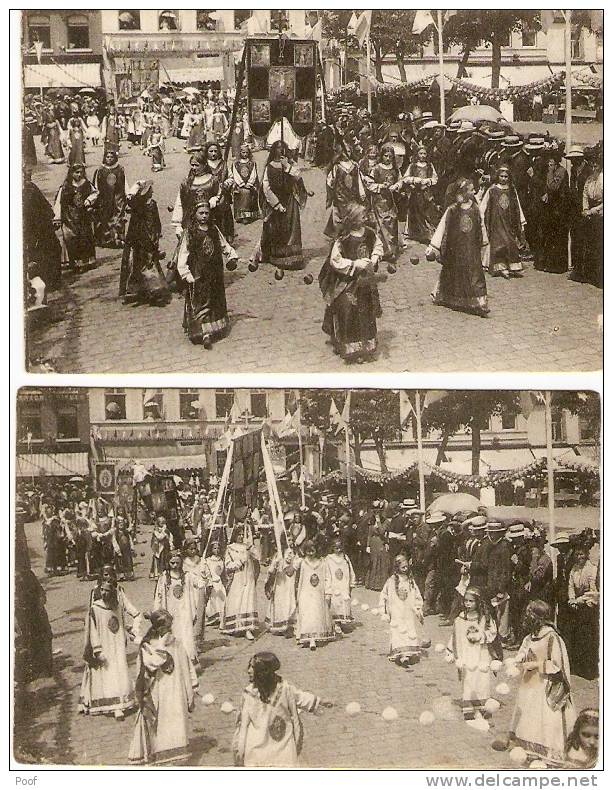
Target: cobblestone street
(541,322)
(353,669)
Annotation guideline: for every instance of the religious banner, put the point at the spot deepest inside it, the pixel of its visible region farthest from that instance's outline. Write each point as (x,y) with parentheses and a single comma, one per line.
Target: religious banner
(246,465)
(281,83)
(106,481)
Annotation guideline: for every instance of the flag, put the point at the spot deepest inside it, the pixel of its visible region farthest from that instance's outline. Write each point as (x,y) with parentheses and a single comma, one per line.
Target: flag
(297,23)
(362,30)
(149,397)
(315,32)
(258,22)
(38,48)
(285,428)
(343,422)
(334,414)
(527,402)
(423,19)
(432,396)
(295,421)
(353,24)
(596,21)
(235,412)
(547,18)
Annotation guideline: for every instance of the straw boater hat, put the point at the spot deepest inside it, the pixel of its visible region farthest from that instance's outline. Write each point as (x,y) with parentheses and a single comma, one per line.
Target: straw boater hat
(495,527)
(408,504)
(424,118)
(436,517)
(476,523)
(516,531)
(560,540)
(512,141)
(430,125)
(466,127)
(575,152)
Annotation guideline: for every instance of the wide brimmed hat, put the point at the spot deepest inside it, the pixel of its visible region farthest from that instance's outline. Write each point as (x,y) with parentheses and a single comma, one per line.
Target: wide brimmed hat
(560,540)
(496,527)
(436,517)
(475,523)
(516,531)
(431,125)
(466,126)
(425,116)
(512,141)
(408,504)
(495,134)
(453,126)
(575,152)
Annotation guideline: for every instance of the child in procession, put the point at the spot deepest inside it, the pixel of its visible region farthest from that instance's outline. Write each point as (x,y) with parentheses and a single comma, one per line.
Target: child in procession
(582,743)
(402,603)
(215,567)
(314,622)
(280,589)
(342,582)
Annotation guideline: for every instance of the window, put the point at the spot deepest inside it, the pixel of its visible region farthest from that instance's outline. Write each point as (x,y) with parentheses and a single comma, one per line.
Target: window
(115,404)
(528,38)
(259,403)
(221,456)
(586,429)
(39,29)
(240,18)
(224,400)
(279,21)
(576,43)
(509,421)
(78,32)
(129,20)
(168,20)
(186,410)
(30,423)
(205,20)
(557,427)
(67,422)
(153,405)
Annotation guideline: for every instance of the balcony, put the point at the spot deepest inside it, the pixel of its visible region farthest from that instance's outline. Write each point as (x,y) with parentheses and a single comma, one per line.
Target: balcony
(175,43)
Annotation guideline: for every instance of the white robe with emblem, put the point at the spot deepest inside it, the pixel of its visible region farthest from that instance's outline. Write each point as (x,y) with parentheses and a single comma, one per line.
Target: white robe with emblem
(180,599)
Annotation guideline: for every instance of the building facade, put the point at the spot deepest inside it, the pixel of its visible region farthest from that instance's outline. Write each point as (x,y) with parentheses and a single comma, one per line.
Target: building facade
(53,432)
(61,49)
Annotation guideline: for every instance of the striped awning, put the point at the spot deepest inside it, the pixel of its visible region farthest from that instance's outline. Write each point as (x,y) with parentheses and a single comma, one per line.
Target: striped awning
(196,74)
(52,464)
(68,75)
(167,462)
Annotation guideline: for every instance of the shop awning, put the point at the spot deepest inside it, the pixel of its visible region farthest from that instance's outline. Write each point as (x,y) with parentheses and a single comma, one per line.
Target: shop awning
(167,462)
(196,74)
(68,75)
(52,464)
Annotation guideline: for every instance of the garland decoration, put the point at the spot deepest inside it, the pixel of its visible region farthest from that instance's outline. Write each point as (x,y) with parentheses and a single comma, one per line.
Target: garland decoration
(582,467)
(491,478)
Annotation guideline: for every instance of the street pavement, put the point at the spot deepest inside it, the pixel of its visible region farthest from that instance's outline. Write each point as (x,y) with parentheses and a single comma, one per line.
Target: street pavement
(541,322)
(352,669)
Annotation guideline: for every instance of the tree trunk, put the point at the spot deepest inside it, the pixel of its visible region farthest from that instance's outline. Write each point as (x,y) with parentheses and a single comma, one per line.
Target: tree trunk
(461,71)
(378,62)
(380,448)
(440,454)
(496,58)
(401,69)
(357,451)
(475,441)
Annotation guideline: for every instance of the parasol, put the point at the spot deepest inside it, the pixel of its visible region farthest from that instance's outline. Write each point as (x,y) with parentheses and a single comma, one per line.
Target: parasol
(87,90)
(190,91)
(453,503)
(76,479)
(112,409)
(478,113)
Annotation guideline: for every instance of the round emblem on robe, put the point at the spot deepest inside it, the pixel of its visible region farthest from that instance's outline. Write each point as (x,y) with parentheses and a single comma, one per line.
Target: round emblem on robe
(363,251)
(111,179)
(314,580)
(277,728)
(289,571)
(403,594)
(208,248)
(177,591)
(113,624)
(504,202)
(466,223)
(169,665)
(338,573)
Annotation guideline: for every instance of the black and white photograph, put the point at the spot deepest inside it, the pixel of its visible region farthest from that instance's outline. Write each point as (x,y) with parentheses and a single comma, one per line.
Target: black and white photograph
(312,578)
(438,206)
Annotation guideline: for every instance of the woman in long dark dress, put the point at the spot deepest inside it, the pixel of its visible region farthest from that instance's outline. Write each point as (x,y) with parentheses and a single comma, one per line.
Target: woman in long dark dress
(200,264)
(283,196)
(583,603)
(141,277)
(40,243)
(593,221)
(382,183)
(73,209)
(379,561)
(504,222)
(76,141)
(51,137)
(459,243)
(246,187)
(344,187)
(110,181)
(348,285)
(110,132)
(555,216)
(422,213)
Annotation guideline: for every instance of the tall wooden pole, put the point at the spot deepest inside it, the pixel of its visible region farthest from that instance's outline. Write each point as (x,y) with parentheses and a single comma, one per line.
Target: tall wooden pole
(347,447)
(420,453)
(301,478)
(568,115)
(369,88)
(441,63)
(551,502)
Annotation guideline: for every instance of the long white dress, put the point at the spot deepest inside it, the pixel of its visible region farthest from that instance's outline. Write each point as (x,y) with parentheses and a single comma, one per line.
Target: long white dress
(240,611)
(217,598)
(544,713)
(179,596)
(404,607)
(314,621)
(106,686)
(269,734)
(469,647)
(166,683)
(342,581)
(282,602)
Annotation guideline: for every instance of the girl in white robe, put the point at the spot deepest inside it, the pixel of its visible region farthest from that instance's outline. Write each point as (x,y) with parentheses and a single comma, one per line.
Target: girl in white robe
(342,582)
(314,622)
(177,592)
(280,589)
(106,686)
(215,567)
(268,731)
(402,603)
(240,616)
(474,634)
(544,713)
(166,684)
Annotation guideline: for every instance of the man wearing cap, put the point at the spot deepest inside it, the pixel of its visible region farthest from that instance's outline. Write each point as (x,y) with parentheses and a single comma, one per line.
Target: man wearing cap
(562,546)
(397,532)
(579,171)
(498,580)
(436,522)
(520,576)
(518,162)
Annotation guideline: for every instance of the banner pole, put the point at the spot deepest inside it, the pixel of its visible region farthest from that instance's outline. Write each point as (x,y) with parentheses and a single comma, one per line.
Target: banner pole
(441,63)
(347,447)
(420,453)
(568,115)
(551,500)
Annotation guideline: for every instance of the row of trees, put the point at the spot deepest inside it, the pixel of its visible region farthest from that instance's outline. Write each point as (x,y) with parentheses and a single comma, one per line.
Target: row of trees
(392,34)
(375,415)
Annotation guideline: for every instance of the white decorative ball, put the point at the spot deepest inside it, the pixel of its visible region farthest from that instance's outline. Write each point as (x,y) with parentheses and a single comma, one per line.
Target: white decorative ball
(426,718)
(227,707)
(512,671)
(389,714)
(208,699)
(518,755)
(354,602)
(492,705)
(364,607)
(449,658)
(353,708)
(439,647)
(482,725)
(536,765)
(502,689)
(496,665)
